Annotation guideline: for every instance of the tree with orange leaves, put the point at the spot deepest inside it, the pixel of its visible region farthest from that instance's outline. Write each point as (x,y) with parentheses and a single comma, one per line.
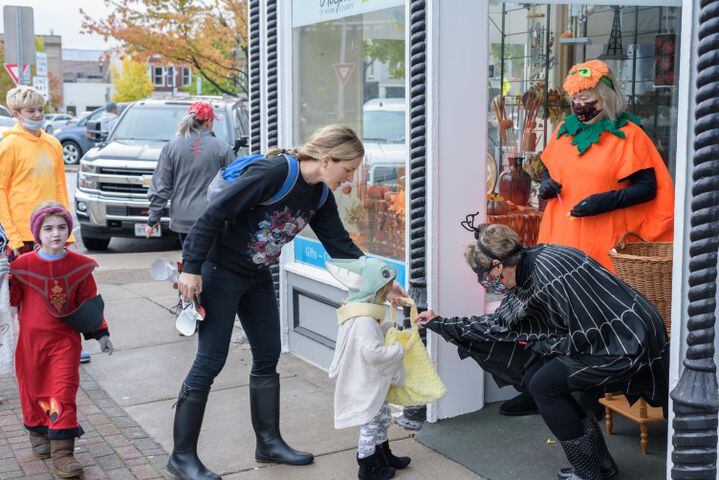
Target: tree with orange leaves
(210,36)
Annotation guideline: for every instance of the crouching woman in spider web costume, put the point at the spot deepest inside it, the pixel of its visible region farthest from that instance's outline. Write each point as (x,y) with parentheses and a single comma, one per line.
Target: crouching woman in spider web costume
(565,324)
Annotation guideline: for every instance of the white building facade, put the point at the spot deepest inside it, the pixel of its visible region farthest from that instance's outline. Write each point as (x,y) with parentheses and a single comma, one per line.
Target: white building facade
(415,78)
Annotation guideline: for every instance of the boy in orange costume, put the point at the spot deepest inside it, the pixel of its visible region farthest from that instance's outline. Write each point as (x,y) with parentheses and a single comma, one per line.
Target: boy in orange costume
(31,168)
(603,173)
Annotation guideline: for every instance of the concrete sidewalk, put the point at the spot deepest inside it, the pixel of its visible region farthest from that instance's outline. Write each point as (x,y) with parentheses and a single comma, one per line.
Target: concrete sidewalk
(144,374)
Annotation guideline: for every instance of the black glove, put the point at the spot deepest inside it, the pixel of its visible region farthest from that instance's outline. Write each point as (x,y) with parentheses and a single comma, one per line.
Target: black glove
(643,188)
(548,188)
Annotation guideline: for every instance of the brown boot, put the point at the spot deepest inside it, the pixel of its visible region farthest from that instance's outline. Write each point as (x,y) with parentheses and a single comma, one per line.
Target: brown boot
(64,463)
(40,444)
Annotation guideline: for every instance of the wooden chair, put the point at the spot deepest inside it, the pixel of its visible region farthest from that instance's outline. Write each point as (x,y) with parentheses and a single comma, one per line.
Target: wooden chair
(640,412)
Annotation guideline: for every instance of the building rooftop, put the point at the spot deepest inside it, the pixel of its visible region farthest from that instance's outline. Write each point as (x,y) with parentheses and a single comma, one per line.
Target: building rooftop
(75,54)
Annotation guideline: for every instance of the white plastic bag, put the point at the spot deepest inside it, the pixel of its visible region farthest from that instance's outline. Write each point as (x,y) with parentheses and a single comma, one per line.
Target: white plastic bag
(189,315)
(8,331)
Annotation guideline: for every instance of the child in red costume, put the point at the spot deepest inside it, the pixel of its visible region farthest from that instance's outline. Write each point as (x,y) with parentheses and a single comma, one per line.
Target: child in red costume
(46,285)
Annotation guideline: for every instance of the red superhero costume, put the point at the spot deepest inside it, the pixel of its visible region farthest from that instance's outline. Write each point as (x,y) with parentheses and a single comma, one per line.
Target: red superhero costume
(47,359)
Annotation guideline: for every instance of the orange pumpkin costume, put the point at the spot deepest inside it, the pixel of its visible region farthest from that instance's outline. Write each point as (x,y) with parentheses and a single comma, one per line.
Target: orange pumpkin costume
(604,167)
(589,159)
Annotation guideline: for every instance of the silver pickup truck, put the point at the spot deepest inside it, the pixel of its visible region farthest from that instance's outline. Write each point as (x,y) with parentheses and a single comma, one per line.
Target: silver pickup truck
(112,183)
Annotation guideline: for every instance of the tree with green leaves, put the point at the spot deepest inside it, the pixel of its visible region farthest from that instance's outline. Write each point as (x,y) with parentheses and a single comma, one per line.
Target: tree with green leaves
(132,83)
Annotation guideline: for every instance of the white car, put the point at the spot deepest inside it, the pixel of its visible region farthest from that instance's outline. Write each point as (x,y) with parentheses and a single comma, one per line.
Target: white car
(383,135)
(6,120)
(55,120)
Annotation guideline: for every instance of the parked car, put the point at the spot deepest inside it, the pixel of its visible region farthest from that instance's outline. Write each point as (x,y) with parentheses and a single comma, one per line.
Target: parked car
(73,136)
(383,136)
(6,119)
(114,177)
(55,120)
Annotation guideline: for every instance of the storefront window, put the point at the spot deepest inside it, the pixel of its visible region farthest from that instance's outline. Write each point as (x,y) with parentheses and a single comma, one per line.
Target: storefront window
(349,68)
(533,46)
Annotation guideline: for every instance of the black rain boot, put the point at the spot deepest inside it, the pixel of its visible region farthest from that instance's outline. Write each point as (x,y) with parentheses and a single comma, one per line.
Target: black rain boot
(184,462)
(389,460)
(522,404)
(583,456)
(372,468)
(265,411)
(608,468)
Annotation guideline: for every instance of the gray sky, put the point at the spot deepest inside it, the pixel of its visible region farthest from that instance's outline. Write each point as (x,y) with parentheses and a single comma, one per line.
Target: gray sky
(62,17)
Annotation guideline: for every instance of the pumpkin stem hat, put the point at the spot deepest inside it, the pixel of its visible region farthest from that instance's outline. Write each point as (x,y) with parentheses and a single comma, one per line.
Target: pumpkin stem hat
(587,75)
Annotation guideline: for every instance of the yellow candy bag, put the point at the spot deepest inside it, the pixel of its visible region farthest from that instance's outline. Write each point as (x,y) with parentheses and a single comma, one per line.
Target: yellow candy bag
(422,385)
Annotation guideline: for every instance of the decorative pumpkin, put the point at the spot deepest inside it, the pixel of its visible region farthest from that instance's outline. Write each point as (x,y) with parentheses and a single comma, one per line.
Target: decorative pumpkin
(497,207)
(376,191)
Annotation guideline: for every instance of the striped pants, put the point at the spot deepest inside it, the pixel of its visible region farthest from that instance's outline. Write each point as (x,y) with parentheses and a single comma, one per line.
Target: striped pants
(374,432)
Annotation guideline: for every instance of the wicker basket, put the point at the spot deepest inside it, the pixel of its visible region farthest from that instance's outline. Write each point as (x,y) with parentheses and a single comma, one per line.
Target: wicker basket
(647,268)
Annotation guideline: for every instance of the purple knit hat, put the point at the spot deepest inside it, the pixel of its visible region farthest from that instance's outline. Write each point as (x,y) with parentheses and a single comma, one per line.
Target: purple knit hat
(39,216)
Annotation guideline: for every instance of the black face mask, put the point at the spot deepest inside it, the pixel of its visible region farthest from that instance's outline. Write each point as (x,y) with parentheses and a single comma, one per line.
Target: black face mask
(585,111)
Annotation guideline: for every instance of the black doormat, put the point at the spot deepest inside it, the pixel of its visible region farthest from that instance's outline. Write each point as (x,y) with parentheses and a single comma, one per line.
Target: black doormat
(516,448)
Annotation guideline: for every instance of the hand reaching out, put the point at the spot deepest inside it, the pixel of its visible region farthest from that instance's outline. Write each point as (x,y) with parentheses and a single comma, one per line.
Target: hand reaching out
(425,317)
(396,294)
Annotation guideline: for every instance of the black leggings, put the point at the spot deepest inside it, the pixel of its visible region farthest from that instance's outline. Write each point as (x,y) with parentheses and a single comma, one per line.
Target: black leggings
(224,294)
(560,411)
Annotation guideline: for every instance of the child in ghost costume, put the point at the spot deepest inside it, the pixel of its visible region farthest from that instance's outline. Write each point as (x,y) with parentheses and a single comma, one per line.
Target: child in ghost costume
(363,366)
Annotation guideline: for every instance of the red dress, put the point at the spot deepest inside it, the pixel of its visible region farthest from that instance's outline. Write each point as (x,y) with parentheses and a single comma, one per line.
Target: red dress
(47,359)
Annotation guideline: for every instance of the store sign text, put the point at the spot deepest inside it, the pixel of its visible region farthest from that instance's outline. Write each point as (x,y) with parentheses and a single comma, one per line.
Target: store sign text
(310,12)
(329,7)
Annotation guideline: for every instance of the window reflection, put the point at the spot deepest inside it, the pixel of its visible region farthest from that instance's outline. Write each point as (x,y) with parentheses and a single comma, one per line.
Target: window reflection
(351,70)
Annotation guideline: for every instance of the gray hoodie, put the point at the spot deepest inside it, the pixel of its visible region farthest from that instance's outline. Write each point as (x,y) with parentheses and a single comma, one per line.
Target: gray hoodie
(186,167)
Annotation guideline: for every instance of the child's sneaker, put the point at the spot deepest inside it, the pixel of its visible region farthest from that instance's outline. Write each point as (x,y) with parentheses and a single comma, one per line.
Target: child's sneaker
(408,424)
(84,356)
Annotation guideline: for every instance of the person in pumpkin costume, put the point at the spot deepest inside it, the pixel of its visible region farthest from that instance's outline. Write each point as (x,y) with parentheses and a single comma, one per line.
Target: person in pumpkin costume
(54,289)
(603,175)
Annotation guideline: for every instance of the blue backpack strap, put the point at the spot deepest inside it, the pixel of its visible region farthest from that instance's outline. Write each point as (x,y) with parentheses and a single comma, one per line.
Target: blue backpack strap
(289,183)
(238,165)
(323,197)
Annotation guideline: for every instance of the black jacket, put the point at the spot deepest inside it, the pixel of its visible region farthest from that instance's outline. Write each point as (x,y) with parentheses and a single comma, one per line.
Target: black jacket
(566,305)
(244,236)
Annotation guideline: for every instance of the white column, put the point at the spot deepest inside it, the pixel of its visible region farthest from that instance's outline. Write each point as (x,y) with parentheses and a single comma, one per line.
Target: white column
(285,66)
(458,44)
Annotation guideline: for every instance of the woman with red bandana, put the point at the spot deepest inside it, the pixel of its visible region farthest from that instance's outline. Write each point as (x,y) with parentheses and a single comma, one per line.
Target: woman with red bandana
(186,166)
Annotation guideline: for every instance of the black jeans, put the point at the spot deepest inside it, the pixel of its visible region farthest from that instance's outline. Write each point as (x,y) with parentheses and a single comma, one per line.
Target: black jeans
(549,387)
(225,293)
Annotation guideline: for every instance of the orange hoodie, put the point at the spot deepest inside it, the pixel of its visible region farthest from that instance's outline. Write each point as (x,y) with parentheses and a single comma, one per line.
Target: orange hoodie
(31,171)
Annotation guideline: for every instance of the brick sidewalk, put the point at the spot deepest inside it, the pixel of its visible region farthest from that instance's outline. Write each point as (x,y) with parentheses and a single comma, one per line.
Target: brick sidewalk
(113,446)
